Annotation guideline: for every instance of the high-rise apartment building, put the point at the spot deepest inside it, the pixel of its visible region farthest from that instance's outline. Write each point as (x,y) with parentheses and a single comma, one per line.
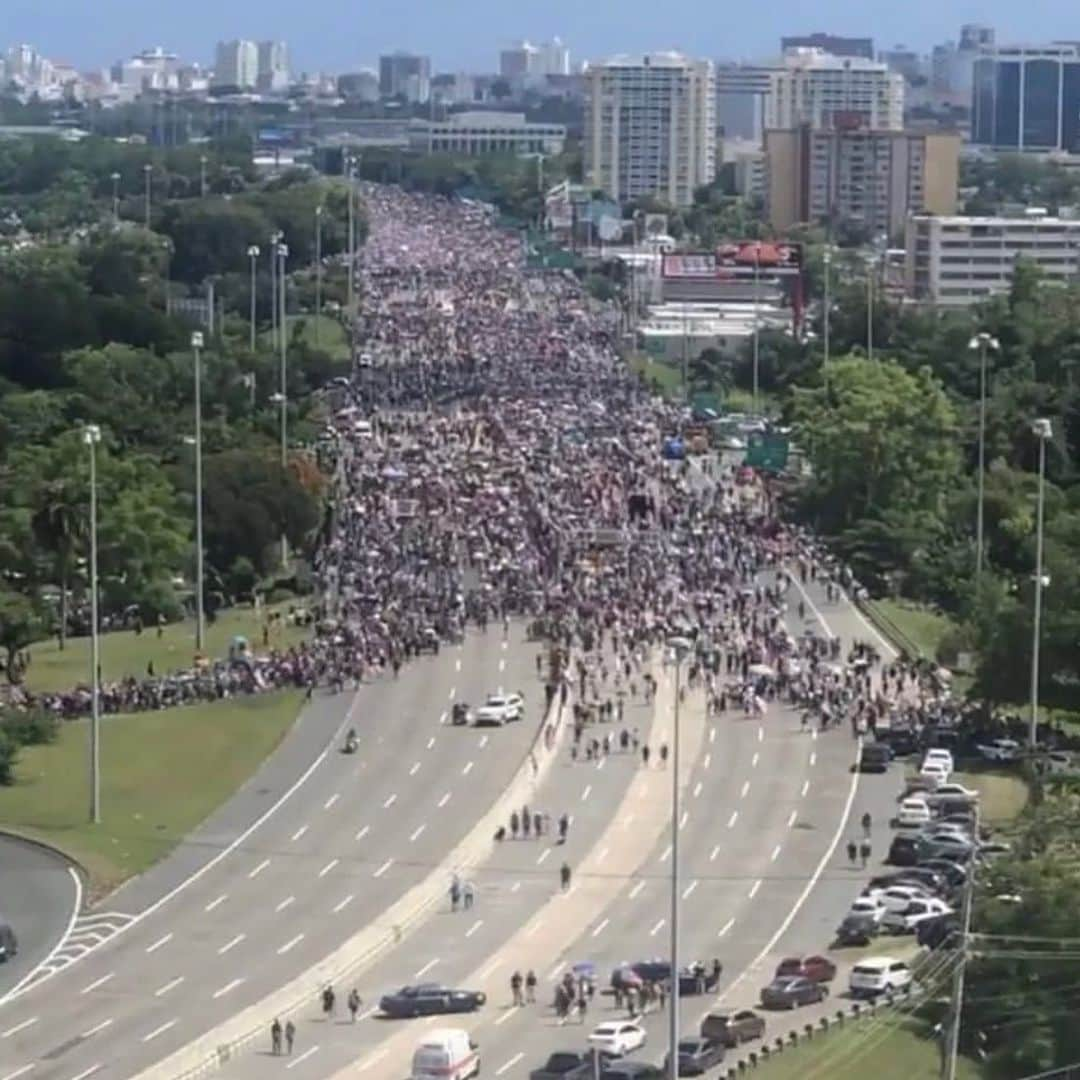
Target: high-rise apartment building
(405,75)
(832,44)
(873,179)
(273,66)
(650,126)
(816,88)
(1027,98)
(236,63)
(524,59)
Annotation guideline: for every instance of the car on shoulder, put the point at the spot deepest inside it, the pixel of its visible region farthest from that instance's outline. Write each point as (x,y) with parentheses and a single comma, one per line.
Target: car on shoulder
(911,917)
(897,897)
(999,750)
(696,1056)
(903,851)
(869,907)
(695,978)
(952,790)
(732,1027)
(876,974)
(791,991)
(565,1065)
(938,933)
(913,814)
(814,968)
(944,846)
(857,930)
(617,1037)
(499,709)
(629,1070)
(875,758)
(430,999)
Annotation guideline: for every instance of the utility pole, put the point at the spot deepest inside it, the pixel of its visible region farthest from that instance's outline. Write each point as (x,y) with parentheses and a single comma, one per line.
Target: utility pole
(680,647)
(1043,432)
(253,255)
(91,437)
(953,1047)
(147,170)
(200,619)
(318,272)
(982,341)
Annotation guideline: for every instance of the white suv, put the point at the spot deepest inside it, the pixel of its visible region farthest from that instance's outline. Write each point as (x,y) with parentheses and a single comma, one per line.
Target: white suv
(876,974)
(500,709)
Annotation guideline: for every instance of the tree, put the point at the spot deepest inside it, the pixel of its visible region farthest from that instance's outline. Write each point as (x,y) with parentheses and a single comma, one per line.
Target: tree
(20,626)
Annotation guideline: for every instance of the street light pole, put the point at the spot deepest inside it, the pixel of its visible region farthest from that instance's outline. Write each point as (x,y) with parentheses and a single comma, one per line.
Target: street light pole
(318,271)
(275,239)
(680,647)
(982,341)
(826,313)
(1043,432)
(116,197)
(870,307)
(147,170)
(283,254)
(196,345)
(757,268)
(253,255)
(91,437)
(351,238)
(202,176)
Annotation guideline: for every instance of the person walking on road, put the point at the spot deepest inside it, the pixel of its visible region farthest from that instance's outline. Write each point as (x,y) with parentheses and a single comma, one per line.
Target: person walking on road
(328,1002)
(467,895)
(530,987)
(663,755)
(866,824)
(864,852)
(645,755)
(455,893)
(582,1007)
(515,988)
(275,1037)
(852,852)
(354,1003)
(564,876)
(290,1036)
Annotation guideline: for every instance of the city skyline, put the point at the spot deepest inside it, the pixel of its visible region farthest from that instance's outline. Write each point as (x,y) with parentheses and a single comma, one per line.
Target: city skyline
(88,38)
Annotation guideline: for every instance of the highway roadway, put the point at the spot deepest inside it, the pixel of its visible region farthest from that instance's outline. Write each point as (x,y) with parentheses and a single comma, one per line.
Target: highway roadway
(352,837)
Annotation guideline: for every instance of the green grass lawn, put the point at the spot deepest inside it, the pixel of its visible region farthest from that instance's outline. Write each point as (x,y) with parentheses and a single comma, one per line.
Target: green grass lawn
(867,1048)
(924,627)
(323,332)
(162,774)
(665,378)
(125,653)
(1001,795)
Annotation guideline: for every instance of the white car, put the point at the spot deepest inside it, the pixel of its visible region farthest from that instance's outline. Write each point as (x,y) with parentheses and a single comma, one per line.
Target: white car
(907,921)
(1000,750)
(617,1037)
(953,791)
(499,709)
(913,814)
(938,753)
(868,907)
(934,773)
(876,974)
(897,897)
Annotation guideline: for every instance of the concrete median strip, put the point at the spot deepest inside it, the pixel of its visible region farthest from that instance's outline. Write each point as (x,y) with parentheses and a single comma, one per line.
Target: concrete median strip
(214,1049)
(546,942)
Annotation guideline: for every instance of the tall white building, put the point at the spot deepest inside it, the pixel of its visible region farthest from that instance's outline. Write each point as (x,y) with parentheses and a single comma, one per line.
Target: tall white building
(236,63)
(650,126)
(25,65)
(152,69)
(813,87)
(273,66)
(524,59)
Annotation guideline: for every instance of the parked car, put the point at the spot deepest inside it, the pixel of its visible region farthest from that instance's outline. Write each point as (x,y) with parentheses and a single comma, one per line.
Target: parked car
(941,754)
(903,851)
(954,873)
(857,930)
(428,999)
(1000,750)
(924,877)
(565,1065)
(918,911)
(814,968)
(732,1028)
(790,991)
(913,814)
(696,1056)
(695,978)
(617,1037)
(876,974)
(945,847)
(630,1070)
(897,897)
(935,933)
(446,1054)
(934,773)
(875,758)
(952,790)
(499,709)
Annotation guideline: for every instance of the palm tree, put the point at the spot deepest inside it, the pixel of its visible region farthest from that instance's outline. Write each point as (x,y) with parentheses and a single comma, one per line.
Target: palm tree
(58,520)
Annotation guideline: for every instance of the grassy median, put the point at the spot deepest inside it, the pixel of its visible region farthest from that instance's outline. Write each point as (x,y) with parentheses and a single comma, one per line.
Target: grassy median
(162,774)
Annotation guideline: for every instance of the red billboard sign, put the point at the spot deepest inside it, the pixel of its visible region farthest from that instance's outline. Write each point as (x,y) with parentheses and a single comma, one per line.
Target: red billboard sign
(736,259)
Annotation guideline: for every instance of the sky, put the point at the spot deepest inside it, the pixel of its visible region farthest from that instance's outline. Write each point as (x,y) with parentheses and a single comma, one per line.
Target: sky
(466,35)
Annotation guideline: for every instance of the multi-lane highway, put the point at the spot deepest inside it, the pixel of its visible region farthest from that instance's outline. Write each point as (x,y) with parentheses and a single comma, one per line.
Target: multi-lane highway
(353,837)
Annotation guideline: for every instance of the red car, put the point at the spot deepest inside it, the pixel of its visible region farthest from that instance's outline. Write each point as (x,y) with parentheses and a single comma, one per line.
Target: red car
(819,969)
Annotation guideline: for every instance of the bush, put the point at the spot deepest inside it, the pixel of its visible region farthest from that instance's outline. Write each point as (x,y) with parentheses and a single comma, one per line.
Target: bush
(34,727)
(9,757)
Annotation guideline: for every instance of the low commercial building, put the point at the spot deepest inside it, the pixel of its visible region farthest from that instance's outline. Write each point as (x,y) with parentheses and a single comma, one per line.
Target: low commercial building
(955,261)
(470,134)
(672,332)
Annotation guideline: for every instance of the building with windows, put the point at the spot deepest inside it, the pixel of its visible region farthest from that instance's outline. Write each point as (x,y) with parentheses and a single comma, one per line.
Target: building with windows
(273,66)
(831,43)
(952,65)
(236,64)
(523,60)
(816,88)
(470,134)
(872,179)
(404,75)
(741,90)
(956,261)
(650,127)
(1027,97)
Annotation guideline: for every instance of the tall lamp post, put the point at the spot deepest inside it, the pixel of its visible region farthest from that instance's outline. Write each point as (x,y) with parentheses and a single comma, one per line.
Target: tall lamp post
(871,263)
(982,342)
(253,257)
(680,647)
(826,314)
(318,271)
(202,176)
(283,254)
(275,239)
(351,237)
(91,437)
(115,197)
(147,170)
(1043,432)
(196,346)
(757,270)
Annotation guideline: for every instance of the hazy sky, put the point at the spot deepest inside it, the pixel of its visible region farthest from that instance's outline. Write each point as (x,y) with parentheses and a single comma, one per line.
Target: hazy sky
(466,34)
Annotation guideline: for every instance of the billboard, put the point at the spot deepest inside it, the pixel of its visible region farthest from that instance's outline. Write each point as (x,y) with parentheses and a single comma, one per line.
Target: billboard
(739,259)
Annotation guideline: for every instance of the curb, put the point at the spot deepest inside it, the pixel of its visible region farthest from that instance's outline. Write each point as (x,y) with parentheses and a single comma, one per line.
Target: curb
(50,849)
(212,1051)
(854,1012)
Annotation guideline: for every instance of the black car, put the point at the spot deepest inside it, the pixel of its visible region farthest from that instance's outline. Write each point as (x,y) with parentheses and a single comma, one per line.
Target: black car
(790,991)
(901,741)
(904,851)
(857,930)
(565,1065)
(630,1070)
(429,999)
(875,758)
(954,873)
(925,876)
(943,931)
(696,1056)
(693,978)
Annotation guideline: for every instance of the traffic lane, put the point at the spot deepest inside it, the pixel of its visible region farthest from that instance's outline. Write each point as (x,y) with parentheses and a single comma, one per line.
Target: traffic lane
(159,956)
(39,895)
(521,877)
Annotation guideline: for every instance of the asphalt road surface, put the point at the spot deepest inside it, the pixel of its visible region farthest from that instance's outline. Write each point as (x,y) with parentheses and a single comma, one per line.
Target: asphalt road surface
(39,897)
(352,838)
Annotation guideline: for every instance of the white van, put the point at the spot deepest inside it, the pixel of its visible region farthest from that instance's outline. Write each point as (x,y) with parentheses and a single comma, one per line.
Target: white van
(446,1054)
